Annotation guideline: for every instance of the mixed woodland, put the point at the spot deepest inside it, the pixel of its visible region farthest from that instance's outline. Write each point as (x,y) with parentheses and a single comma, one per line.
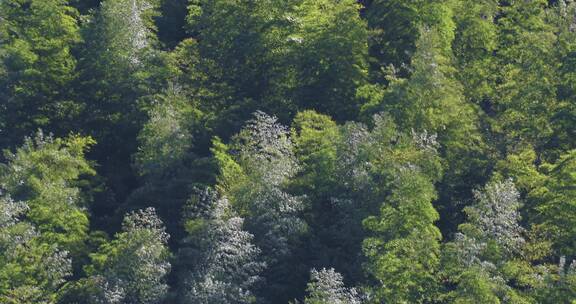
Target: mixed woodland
(287,151)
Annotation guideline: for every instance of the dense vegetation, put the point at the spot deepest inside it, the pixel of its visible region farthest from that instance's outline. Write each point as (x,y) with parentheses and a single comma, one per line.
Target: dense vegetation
(287,151)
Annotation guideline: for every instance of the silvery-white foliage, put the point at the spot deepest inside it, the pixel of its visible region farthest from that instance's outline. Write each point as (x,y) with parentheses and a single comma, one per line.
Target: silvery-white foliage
(496,214)
(125,29)
(57,267)
(107,294)
(275,219)
(164,139)
(352,167)
(566,9)
(209,290)
(229,265)
(145,221)
(468,250)
(267,153)
(564,270)
(327,287)
(468,254)
(425,141)
(572,268)
(10,210)
(267,149)
(137,272)
(202,204)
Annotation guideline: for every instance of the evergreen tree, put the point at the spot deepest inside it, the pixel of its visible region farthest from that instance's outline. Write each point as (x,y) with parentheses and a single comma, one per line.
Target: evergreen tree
(432,101)
(563,18)
(119,67)
(329,50)
(395,29)
(476,40)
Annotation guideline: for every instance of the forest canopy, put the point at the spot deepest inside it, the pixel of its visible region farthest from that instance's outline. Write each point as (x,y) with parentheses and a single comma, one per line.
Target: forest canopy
(287,151)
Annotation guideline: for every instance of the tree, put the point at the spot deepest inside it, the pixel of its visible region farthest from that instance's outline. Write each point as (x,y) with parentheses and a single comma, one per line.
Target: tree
(562,18)
(240,60)
(403,246)
(560,284)
(549,199)
(119,73)
(527,74)
(37,38)
(265,156)
(31,271)
(47,173)
(260,169)
(278,57)
(476,40)
(315,138)
(556,202)
(166,139)
(432,101)
(330,51)
(226,265)
(326,287)
(483,255)
(395,29)
(133,267)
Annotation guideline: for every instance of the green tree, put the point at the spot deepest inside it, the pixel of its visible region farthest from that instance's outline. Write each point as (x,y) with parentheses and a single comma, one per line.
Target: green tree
(549,197)
(119,73)
(476,40)
(278,57)
(403,247)
(432,101)
(36,42)
(526,98)
(483,260)
(166,139)
(133,267)
(556,202)
(329,48)
(565,117)
(43,222)
(47,173)
(560,284)
(395,29)
(31,271)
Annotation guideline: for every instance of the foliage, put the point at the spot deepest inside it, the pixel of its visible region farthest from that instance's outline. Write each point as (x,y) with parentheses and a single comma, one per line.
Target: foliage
(47,173)
(132,268)
(36,53)
(326,286)
(227,265)
(403,251)
(423,149)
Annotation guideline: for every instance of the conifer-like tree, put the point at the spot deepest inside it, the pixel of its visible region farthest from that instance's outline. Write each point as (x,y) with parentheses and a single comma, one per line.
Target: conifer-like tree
(226,266)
